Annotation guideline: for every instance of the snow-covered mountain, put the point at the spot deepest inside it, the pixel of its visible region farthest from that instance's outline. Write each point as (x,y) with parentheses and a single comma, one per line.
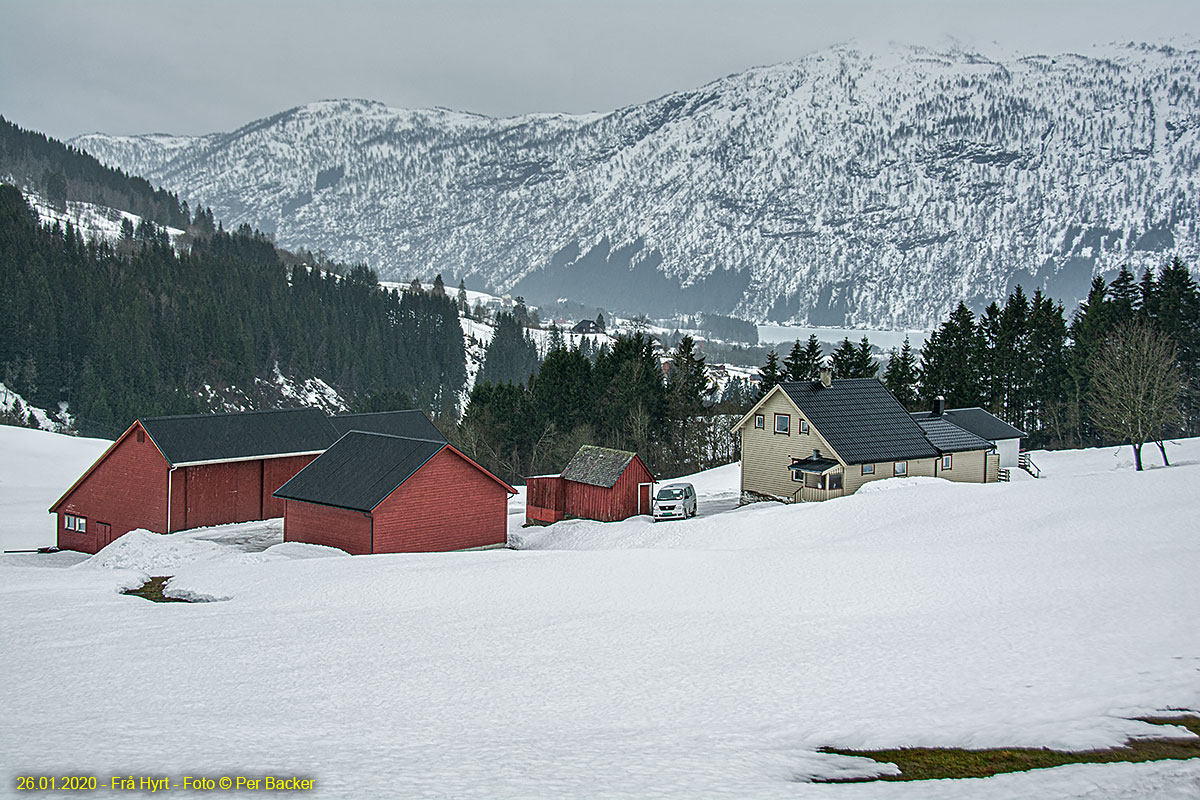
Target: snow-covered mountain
(849,187)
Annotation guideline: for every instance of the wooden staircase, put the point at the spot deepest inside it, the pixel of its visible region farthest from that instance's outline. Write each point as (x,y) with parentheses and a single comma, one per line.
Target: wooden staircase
(1026,463)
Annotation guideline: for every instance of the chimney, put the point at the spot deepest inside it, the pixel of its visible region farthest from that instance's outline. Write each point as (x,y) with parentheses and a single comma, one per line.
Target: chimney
(826,377)
(939,406)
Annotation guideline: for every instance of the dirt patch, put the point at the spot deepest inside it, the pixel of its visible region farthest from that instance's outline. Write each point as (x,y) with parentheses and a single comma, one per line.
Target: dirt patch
(153,590)
(933,763)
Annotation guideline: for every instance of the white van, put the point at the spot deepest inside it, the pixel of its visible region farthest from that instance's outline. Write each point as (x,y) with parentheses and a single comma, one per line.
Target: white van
(675,501)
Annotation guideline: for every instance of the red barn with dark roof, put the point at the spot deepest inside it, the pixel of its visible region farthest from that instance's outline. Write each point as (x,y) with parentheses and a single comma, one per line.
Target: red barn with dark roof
(167,474)
(598,483)
(376,493)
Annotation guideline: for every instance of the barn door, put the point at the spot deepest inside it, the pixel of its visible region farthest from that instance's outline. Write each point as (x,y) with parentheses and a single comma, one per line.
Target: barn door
(645,490)
(103,534)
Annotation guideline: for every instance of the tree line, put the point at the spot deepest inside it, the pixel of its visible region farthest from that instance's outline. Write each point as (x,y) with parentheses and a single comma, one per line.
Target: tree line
(526,417)
(137,329)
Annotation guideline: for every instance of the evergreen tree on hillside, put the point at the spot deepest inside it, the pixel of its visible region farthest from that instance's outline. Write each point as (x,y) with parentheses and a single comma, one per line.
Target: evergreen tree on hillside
(901,375)
(511,356)
(865,365)
(632,402)
(462,298)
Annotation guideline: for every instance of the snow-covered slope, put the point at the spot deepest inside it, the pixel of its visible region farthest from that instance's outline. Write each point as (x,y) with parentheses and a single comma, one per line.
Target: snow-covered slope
(872,188)
(707,658)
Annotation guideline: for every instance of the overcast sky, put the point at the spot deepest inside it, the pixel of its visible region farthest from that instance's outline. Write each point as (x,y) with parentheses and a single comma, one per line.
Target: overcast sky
(137,66)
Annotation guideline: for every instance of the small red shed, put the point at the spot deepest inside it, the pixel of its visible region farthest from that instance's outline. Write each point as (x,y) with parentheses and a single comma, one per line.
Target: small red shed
(376,493)
(166,474)
(598,483)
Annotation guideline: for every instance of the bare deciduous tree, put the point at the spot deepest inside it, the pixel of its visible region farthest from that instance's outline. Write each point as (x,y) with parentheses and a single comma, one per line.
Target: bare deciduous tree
(1136,386)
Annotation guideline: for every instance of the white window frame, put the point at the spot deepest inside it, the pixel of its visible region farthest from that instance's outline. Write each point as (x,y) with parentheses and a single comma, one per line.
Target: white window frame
(803,426)
(69,521)
(947,461)
(760,421)
(900,469)
(81,524)
(787,431)
(868,469)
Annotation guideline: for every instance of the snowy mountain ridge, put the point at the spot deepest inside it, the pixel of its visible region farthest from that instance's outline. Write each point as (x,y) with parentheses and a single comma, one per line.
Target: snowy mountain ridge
(870,189)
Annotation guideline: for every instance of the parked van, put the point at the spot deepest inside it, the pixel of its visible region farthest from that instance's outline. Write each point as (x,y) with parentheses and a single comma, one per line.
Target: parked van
(675,501)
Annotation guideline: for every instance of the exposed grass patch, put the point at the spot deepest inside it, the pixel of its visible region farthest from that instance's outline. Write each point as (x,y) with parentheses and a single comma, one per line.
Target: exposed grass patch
(153,590)
(932,763)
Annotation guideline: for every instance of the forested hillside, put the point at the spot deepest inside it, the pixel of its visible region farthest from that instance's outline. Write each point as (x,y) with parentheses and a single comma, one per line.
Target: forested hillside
(61,173)
(133,329)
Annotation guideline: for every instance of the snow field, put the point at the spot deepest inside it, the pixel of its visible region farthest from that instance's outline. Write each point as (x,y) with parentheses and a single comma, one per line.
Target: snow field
(703,658)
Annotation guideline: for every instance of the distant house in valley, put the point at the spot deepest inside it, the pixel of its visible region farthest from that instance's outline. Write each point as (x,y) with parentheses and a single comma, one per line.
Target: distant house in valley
(598,483)
(166,474)
(815,440)
(377,493)
(586,326)
(1004,437)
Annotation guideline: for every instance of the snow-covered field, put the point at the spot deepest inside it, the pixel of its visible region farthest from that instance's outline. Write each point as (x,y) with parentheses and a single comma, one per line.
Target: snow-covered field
(703,658)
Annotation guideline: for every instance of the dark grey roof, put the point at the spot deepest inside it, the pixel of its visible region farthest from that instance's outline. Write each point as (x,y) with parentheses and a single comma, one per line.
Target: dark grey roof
(811,464)
(975,420)
(861,420)
(412,424)
(597,466)
(949,438)
(360,470)
(248,434)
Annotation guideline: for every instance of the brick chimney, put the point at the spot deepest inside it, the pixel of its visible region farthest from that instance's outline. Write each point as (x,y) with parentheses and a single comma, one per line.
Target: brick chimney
(826,377)
(939,406)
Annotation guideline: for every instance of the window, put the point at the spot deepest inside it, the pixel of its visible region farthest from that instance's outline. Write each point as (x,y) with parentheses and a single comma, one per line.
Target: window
(812,481)
(947,462)
(868,469)
(70,523)
(74,523)
(141,436)
(759,422)
(835,480)
(804,426)
(797,476)
(900,468)
(783,424)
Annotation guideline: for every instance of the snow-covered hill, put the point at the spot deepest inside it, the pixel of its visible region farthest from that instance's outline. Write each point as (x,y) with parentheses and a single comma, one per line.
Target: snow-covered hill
(710,657)
(868,188)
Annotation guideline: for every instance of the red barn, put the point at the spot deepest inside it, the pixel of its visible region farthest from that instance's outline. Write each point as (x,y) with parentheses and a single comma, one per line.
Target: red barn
(599,483)
(166,474)
(376,493)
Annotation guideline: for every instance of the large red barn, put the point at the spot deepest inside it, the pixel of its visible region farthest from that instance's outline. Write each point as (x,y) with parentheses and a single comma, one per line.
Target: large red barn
(167,474)
(375,493)
(598,483)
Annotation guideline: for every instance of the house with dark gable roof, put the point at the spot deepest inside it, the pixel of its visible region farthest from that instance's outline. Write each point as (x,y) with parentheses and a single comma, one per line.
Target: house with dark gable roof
(815,440)
(598,483)
(166,474)
(378,493)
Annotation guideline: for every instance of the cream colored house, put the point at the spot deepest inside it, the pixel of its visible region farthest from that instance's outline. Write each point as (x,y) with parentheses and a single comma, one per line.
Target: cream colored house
(814,440)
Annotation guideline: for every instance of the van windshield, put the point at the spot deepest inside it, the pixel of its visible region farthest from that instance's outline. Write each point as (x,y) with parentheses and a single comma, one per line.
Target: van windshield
(670,494)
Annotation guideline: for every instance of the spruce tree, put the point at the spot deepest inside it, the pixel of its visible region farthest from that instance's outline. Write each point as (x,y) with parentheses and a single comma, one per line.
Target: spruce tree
(900,377)
(462,298)
(845,360)
(770,375)
(804,362)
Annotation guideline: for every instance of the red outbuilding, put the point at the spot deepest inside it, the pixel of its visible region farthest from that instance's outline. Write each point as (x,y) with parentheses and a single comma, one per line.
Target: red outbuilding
(598,483)
(375,493)
(167,474)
